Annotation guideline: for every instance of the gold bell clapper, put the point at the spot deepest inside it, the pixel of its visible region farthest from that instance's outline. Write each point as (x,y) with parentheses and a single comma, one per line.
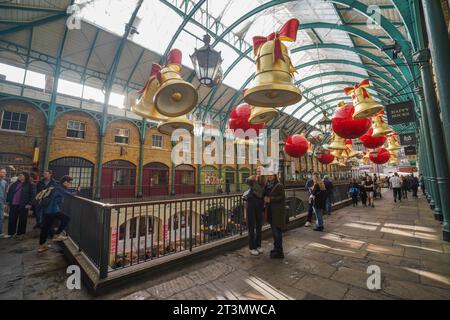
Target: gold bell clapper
(393,144)
(175,97)
(380,128)
(260,115)
(145,107)
(273,85)
(337,143)
(364,104)
(181,122)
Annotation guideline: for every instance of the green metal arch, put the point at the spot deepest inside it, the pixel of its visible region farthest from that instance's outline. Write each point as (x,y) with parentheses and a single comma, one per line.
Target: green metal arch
(36,105)
(351,63)
(335,83)
(356,50)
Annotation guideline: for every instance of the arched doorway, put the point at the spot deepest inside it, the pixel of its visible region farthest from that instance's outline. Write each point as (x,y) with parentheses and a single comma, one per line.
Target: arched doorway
(244,173)
(118,179)
(15,163)
(229,175)
(184,179)
(155,179)
(81,170)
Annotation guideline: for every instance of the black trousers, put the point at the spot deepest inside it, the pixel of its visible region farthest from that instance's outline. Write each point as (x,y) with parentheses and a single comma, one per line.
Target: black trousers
(255,210)
(414,191)
(17,214)
(397,194)
(363,196)
(355,199)
(47,225)
(405,193)
(277,235)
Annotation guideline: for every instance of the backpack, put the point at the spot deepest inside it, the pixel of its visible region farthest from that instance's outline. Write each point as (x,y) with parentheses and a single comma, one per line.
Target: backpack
(44,197)
(354,190)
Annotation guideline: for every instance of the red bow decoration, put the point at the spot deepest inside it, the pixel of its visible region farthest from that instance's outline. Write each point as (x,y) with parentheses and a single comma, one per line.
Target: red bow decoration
(287,33)
(363,85)
(154,73)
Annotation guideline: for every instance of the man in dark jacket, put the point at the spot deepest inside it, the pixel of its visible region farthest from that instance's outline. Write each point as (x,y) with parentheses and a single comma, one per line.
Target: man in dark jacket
(329,186)
(42,185)
(53,211)
(255,211)
(19,200)
(414,185)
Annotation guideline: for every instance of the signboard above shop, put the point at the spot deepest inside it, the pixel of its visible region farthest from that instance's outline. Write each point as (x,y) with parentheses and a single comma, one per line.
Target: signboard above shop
(408,139)
(410,151)
(400,113)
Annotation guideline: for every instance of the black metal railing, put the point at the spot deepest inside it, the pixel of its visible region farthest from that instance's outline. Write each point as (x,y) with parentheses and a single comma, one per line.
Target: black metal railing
(117,236)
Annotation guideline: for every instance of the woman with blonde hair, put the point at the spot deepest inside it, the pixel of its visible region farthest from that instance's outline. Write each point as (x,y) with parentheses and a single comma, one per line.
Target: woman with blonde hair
(319,194)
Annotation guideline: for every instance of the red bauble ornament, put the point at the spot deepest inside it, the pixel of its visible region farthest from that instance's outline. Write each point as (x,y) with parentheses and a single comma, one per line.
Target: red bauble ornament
(296,146)
(372,142)
(380,156)
(325,158)
(345,126)
(239,117)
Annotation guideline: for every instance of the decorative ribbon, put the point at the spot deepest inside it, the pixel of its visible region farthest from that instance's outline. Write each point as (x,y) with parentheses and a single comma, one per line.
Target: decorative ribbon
(155,73)
(287,33)
(363,85)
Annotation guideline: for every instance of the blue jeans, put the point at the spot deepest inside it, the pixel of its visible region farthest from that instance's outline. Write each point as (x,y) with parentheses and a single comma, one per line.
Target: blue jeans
(328,204)
(319,218)
(2,206)
(277,239)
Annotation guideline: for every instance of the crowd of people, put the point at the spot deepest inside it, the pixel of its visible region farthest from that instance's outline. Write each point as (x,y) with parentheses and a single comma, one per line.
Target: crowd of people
(30,194)
(367,188)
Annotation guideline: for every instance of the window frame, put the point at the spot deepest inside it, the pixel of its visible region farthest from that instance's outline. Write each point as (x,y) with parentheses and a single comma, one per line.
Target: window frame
(78,130)
(122,136)
(162,141)
(12,130)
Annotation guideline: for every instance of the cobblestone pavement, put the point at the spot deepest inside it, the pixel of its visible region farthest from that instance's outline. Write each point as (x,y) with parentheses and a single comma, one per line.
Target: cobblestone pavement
(403,240)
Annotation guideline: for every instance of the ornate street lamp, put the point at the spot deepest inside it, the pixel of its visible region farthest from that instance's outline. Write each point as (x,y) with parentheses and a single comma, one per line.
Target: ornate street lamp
(324,123)
(207,64)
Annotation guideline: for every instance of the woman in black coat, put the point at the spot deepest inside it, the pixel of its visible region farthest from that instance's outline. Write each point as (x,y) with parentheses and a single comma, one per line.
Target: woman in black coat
(255,212)
(19,199)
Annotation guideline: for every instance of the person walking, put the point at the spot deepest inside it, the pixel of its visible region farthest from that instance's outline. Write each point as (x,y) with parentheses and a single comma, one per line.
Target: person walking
(46,182)
(369,187)
(319,193)
(19,200)
(330,188)
(309,187)
(363,192)
(53,211)
(353,190)
(422,184)
(414,185)
(404,188)
(396,185)
(3,193)
(255,210)
(274,200)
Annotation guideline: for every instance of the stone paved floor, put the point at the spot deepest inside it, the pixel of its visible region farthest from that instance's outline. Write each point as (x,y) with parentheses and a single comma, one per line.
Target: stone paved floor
(403,240)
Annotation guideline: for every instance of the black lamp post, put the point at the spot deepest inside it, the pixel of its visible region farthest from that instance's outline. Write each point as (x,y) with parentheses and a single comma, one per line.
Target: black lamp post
(207,64)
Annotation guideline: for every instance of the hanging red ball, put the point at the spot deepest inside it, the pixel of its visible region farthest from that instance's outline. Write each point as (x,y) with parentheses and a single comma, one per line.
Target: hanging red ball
(239,120)
(380,156)
(371,142)
(296,146)
(345,126)
(325,158)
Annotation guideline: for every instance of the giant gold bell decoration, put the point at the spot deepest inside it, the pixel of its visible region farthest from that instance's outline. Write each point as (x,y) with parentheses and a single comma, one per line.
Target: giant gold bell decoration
(175,97)
(380,128)
(262,115)
(366,158)
(145,107)
(337,153)
(393,144)
(273,84)
(337,143)
(181,122)
(394,158)
(350,153)
(364,104)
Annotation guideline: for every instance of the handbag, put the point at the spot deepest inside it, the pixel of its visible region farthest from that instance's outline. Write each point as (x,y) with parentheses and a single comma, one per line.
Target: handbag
(247,195)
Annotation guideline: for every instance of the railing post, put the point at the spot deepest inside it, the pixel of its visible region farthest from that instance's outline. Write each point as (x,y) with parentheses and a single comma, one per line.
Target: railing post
(106,242)
(190,224)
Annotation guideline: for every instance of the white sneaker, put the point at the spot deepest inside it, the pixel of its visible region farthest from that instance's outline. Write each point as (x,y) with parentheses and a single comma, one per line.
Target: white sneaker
(254,252)
(43,248)
(308,224)
(260,250)
(59,237)
(6,236)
